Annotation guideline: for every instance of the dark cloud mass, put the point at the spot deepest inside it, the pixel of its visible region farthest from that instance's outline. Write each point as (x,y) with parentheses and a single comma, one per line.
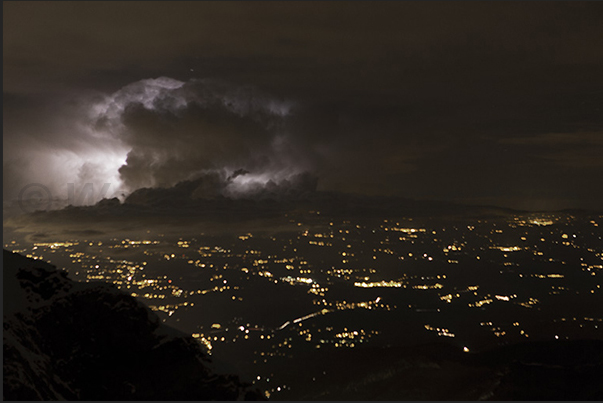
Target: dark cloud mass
(492,102)
(177,131)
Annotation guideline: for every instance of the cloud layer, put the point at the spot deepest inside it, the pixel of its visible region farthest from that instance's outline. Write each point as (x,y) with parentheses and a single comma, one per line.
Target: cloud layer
(429,100)
(179,131)
(155,133)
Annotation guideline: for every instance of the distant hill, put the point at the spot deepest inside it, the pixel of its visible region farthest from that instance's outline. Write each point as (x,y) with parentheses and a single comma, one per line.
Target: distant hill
(88,341)
(193,202)
(177,205)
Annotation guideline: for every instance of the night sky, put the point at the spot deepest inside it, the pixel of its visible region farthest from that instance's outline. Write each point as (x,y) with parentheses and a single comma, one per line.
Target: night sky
(496,103)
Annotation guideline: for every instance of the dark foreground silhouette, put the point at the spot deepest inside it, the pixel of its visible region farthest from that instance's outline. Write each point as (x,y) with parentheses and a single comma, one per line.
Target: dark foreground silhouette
(82,341)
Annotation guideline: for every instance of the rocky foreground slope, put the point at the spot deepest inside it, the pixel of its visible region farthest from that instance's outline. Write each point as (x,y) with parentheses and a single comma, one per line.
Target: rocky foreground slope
(88,341)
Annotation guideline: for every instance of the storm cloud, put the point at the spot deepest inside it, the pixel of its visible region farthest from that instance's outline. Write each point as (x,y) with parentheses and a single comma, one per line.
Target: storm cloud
(155,133)
(180,130)
(460,101)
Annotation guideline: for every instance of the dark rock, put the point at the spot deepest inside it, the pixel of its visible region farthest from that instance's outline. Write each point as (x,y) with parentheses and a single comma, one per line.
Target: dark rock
(89,341)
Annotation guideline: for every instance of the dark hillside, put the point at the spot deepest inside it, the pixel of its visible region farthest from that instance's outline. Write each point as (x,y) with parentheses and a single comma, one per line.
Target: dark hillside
(85,341)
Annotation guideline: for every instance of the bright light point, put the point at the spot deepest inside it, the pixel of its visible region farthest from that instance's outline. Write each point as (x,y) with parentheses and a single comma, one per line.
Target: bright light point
(465,349)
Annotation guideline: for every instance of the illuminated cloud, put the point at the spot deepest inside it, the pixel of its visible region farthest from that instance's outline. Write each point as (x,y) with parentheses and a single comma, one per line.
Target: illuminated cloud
(60,149)
(155,133)
(179,131)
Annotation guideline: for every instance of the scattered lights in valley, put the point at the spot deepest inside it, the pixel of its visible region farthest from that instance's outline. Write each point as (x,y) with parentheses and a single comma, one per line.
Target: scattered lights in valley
(474,283)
